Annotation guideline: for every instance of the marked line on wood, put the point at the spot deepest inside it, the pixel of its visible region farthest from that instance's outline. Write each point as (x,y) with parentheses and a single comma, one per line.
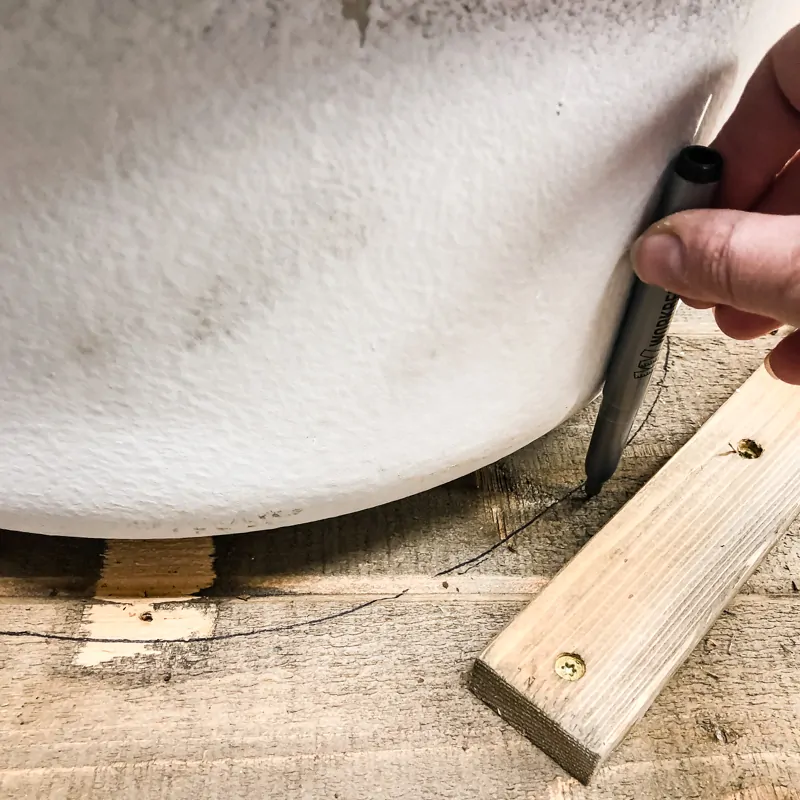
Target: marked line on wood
(585,660)
(144,592)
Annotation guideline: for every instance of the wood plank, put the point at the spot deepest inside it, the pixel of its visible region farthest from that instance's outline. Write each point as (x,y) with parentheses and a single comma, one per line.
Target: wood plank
(156,568)
(372,705)
(636,600)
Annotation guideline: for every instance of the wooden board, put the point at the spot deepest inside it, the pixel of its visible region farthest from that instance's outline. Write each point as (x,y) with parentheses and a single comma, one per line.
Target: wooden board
(584,661)
(373,704)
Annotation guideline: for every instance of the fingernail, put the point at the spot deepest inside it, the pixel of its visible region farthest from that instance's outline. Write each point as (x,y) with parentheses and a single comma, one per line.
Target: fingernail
(768,367)
(658,257)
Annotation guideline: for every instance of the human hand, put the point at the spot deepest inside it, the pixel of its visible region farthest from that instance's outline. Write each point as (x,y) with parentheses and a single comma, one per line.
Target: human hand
(745,263)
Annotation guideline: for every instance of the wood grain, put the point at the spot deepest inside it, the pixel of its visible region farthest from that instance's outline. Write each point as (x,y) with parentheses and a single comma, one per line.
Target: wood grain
(642,593)
(371,706)
(160,568)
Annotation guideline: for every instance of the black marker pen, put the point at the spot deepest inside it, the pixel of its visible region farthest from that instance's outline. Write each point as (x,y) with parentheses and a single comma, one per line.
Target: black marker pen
(692,183)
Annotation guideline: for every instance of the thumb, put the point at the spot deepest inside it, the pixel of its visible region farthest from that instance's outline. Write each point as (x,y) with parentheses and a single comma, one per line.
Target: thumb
(741,259)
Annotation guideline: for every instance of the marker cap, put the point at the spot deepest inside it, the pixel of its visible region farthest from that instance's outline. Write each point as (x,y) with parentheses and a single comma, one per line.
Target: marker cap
(698,164)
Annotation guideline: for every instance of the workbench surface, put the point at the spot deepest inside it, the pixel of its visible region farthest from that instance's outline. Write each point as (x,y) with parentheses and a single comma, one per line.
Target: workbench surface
(312,676)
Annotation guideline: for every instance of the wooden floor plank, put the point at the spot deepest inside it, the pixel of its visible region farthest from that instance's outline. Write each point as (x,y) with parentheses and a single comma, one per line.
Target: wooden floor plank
(371,704)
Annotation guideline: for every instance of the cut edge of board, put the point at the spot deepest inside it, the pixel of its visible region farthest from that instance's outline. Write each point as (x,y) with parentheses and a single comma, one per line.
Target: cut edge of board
(516,709)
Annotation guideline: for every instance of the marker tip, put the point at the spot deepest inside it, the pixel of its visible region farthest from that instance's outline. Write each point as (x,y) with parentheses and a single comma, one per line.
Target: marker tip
(592,487)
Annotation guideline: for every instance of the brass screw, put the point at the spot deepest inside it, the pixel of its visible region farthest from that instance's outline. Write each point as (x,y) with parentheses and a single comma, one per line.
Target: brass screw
(570,667)
(747,448)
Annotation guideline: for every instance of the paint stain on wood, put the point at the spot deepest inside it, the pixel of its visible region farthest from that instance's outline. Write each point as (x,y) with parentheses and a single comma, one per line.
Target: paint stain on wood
(140,622)
(145,593)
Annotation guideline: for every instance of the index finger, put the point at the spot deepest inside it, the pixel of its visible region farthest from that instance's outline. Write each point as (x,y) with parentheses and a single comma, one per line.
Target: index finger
(763,132)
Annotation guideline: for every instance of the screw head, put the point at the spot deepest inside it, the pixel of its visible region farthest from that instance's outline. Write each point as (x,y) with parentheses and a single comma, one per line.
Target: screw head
(570,667)
(747,448)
